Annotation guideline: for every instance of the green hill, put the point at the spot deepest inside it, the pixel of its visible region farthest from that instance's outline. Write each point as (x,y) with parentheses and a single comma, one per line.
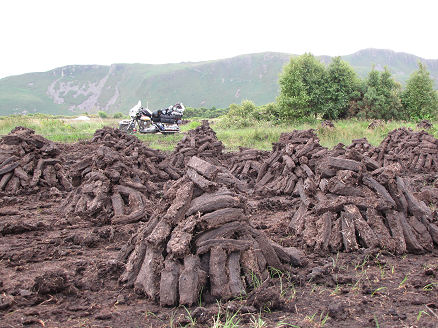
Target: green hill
(90,88)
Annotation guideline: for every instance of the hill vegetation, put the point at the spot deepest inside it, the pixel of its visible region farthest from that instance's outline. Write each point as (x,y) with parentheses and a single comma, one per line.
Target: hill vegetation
(311,90)
(116,88)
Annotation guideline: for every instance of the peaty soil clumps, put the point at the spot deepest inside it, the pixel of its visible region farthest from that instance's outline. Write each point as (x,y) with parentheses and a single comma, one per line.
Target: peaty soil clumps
(347,200)
(414,151)
(201,243)
(29,162)
(119,182)
(201,142)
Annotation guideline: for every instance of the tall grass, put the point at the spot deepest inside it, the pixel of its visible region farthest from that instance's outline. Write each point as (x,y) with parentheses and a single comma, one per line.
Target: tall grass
(260,136)
(55,129)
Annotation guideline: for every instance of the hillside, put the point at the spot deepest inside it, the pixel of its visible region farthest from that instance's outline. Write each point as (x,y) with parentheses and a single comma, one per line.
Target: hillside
(90,88)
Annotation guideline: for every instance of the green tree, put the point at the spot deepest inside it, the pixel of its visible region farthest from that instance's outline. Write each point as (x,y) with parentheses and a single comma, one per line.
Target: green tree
(340,87)
(301,87)
(382,97)
(419,98)
(102,114)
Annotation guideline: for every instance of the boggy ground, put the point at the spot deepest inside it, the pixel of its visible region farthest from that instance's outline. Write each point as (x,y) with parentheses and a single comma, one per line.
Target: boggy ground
(62,271)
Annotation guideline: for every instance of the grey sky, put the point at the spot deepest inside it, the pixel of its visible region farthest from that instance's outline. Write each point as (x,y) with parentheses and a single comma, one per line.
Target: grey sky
(44,34)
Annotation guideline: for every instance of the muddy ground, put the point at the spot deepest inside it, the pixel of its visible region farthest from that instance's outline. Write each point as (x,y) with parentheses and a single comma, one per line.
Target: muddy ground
(337,290)
(61,269)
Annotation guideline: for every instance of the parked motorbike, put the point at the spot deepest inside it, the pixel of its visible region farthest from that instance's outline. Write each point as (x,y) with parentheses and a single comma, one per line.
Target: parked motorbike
(164,121)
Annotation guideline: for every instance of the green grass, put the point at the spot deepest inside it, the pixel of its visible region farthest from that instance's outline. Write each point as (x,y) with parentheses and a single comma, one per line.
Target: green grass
(56,129)
(260,136)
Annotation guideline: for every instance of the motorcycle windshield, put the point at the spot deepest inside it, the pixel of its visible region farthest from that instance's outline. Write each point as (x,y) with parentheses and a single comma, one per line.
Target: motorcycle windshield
(134,110)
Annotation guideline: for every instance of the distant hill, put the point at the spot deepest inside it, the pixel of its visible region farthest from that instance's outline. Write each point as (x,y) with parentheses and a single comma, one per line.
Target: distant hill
(116,88)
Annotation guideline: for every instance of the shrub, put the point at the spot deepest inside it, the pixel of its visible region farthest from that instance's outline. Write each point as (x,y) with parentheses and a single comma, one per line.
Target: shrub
(118,115)
(102,114)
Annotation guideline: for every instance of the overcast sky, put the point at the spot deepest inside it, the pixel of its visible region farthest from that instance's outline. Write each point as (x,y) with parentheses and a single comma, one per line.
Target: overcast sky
(39,35)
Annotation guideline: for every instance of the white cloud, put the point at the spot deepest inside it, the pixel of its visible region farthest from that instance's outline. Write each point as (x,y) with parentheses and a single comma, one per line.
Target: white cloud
(41,35)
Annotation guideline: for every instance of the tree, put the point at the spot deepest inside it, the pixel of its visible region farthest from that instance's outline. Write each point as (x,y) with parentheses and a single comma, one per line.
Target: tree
(382,97)
(102,114)
(340,84)
(419,98)
(301,83)
(118,115)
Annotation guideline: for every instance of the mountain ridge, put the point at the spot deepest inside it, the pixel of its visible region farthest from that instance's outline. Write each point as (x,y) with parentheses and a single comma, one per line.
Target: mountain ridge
(74,89)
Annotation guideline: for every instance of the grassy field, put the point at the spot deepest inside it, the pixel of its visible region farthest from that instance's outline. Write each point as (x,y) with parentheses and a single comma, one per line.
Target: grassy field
(260,136)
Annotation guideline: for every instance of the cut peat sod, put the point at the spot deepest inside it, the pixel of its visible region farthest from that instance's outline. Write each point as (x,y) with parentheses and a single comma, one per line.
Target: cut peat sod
(109,232)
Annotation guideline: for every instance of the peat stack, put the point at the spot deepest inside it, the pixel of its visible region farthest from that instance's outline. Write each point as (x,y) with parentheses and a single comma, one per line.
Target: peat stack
(135,151)
(246,163)
(415,151)
(349,204)
(293,158)
(424,124)
(347,199)
(119,181)
(327,124)
(200,241)
(376,124)
(362,146)
(29,162)
(201,142)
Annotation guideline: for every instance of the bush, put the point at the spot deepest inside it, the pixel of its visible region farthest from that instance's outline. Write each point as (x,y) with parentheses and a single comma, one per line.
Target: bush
(118,115)
(242,115)
(202,112)
(102,114)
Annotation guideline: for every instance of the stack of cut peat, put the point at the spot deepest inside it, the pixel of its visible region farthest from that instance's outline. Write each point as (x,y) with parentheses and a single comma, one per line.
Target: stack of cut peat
(245,164)
(292,159)
(29,162)
(415,151)
(376,124)
(327,124)
(362,146)
(347,199)
(119,181)
(200,242)
(201,142)
(424,124)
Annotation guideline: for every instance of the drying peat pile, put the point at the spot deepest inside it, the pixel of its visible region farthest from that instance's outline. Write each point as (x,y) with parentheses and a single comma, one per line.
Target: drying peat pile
(293,158)
(376,124)
(347,200)
(200,242)
(119,180)
(415,151)
(30,162)
(201,142)
(424,124)
(327,124)
(245,164)
(363,147)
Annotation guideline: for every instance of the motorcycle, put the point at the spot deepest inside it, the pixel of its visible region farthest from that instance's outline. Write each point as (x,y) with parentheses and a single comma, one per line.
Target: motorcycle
(165,121)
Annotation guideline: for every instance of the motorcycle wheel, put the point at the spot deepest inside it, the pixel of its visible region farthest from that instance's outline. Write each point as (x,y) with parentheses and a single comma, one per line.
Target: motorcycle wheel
(123,127)
(127,127)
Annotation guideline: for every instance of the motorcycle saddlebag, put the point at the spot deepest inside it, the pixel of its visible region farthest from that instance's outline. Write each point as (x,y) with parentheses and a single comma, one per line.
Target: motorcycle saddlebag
(169,119)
